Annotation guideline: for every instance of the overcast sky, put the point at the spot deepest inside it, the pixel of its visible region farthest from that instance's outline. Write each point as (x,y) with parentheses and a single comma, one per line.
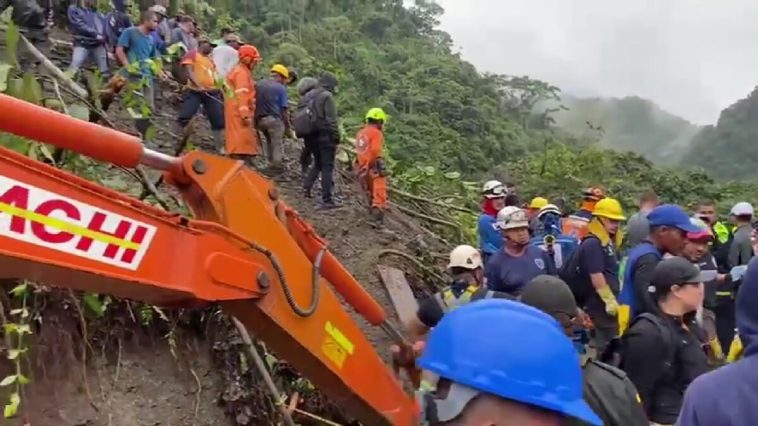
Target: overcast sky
(692,57)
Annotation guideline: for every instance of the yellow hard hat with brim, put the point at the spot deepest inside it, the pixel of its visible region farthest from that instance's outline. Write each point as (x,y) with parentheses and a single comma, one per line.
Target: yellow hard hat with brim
(609,208)
(281,70)
(538,203)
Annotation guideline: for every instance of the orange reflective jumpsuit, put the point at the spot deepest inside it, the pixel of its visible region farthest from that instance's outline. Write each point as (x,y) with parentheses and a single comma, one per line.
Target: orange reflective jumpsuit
(239,110)
(368,145)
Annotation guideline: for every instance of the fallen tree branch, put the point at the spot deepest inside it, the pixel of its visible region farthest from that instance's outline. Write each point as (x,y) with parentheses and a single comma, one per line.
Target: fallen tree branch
(417,262)
(429,201)
(428,218)
(178,149)
(52,68)
(148,187)
(261,367)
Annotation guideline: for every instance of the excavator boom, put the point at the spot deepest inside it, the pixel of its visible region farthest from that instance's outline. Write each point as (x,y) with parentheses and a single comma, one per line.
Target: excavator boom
(243,248)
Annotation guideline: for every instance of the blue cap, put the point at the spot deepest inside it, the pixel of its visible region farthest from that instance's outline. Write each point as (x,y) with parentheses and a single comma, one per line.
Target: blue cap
(673,216)
(526,358)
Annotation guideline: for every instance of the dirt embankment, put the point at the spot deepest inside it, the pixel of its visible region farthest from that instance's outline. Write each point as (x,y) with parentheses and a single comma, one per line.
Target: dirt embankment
(139,366)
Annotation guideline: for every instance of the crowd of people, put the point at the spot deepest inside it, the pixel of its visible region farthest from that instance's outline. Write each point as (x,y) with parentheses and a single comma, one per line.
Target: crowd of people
(622,325)
(251,116)
(658,316)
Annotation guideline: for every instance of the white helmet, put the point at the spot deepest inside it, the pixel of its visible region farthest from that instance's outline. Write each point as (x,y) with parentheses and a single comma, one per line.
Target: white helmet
(742,209)
(550,208)
(159,9)
(493,189)
(465,257)
(511,217)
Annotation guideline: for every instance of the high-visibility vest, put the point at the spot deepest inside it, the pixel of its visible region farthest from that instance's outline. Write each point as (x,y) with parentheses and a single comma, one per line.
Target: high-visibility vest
(575,226)
(449,302)
(722,232)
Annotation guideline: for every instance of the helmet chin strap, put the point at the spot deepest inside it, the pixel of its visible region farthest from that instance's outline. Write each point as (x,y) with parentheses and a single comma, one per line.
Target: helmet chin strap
(516,243)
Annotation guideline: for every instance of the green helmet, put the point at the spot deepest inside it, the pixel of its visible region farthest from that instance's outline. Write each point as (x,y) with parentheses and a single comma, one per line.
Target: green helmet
(377,114)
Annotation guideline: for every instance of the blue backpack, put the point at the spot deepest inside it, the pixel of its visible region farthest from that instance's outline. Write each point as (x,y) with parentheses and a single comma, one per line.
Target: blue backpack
(549,238)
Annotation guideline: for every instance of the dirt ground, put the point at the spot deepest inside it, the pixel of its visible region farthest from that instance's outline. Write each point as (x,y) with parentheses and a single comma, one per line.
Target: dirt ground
(139,380)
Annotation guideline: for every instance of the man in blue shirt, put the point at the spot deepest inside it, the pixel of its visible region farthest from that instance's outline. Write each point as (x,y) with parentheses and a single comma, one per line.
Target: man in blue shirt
(517,263)
(135,51)
(490,240)
(272,113)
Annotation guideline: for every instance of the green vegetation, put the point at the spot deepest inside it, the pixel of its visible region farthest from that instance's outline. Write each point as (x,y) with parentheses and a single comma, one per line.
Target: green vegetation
(628,124)
(448,121)
(727,150)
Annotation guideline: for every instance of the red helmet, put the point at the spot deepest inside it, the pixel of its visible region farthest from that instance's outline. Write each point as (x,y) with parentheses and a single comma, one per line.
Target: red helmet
(249,51)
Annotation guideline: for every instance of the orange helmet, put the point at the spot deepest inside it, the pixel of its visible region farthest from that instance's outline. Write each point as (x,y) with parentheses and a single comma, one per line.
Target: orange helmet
(593,194)
(249,51)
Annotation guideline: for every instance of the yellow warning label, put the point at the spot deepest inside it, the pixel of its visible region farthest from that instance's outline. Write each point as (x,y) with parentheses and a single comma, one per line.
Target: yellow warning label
(336,346)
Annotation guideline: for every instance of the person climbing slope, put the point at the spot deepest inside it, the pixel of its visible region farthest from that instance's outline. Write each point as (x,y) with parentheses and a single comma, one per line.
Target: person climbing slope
(326,138)
(493,200)
(517,262)
(372,170)
(201,90)
(272,114)
(310,143)
(239,109)
(89,29)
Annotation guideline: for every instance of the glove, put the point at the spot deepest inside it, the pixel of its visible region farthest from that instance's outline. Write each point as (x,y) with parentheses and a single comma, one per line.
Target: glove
(737,272)
(611,305)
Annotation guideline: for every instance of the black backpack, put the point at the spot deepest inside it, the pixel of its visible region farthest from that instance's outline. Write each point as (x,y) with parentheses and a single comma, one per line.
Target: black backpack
(572,273)
(304,120)
(612,396)
(614,355)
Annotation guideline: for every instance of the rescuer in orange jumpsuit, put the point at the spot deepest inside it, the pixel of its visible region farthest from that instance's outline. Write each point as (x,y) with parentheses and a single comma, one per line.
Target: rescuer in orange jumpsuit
(371,168)
(239,109)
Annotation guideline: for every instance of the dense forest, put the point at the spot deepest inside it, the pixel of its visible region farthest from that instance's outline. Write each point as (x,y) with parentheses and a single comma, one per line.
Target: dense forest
(628,124)
(448,119)
(727,150)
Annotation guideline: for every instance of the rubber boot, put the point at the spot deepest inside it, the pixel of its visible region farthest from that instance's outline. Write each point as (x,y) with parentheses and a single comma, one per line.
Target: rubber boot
(142,125)
(377,218)
(218,138)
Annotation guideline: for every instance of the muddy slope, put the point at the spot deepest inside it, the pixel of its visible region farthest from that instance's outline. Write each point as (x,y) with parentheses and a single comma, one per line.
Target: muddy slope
(186,369)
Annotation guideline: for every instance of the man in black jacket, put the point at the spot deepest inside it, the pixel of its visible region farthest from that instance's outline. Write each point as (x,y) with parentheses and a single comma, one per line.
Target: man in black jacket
(327,137)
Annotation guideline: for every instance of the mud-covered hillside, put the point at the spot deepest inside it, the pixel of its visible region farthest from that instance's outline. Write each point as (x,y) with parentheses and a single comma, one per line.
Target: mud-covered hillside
(133,364)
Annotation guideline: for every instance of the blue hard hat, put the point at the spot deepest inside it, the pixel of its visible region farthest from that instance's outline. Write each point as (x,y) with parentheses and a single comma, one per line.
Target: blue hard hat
(510,350)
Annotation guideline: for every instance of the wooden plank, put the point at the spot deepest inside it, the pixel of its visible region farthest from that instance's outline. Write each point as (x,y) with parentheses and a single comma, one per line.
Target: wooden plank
(399,291)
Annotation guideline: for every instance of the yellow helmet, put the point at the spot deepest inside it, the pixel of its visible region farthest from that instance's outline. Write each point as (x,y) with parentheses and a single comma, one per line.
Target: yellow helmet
(609,208)
(377,114)
(281,70)
(538,203)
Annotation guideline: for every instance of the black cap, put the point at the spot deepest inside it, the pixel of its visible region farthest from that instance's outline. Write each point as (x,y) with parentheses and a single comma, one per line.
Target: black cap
(550,295)
(677,271)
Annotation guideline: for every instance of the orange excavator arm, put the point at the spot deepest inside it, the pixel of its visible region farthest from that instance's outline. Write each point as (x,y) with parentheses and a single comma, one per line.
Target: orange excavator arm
(244,248)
